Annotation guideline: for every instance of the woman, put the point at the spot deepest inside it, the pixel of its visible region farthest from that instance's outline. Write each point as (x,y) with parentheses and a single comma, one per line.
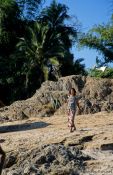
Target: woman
(72,104)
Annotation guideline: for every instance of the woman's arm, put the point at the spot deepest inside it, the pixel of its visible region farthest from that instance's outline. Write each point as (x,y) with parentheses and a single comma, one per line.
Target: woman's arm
(78,104)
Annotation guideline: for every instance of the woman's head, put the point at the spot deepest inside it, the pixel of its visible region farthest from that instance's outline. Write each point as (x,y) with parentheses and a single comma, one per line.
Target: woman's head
(73,91)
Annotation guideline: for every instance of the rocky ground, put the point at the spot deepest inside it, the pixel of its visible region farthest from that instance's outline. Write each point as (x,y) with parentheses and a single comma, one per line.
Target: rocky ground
(45,146)
(37,141)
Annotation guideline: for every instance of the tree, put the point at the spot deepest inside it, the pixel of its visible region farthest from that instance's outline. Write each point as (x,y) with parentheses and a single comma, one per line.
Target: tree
(108,73)
(56,16)
(10,29)
(101,39)
(29,8)
(33,49)
(71,66)
(40,47)
(49,39)
(46,46)
(9,14)
(79,67)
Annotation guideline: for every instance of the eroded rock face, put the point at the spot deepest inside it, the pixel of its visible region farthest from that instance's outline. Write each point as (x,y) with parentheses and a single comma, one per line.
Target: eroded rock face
(2,159)
(95,95)
(49,159)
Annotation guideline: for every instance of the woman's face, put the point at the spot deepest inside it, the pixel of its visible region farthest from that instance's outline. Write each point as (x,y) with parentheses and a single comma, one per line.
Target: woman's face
(73,92)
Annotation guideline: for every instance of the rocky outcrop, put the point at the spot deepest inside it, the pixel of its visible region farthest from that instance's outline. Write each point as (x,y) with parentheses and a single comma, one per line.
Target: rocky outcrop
(54,159)
(95,95)
(2,159)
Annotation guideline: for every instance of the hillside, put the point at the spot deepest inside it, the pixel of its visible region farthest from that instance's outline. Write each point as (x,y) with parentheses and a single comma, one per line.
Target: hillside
(37,140)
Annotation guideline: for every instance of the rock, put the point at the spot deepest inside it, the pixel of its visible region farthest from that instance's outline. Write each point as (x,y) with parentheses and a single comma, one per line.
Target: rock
(2,159)
(107,146)
(21,115)
(30,170)
(53,158)
(95,95)
(86,139)
(10,160)
(1,104)
(41,160)
(13,172)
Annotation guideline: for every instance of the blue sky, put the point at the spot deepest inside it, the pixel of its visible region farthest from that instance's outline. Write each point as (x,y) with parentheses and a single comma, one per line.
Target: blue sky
(89,13)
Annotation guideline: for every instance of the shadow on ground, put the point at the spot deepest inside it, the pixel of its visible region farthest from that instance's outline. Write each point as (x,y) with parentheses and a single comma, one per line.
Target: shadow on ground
(23,127)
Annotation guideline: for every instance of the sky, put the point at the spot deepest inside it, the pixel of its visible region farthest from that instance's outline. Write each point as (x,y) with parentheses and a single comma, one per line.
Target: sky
(88,13)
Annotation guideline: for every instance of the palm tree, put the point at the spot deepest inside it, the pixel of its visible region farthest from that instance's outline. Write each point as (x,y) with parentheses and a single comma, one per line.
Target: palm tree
(79,67)
(56,16)
(41,48)
(100,38)
(29,8)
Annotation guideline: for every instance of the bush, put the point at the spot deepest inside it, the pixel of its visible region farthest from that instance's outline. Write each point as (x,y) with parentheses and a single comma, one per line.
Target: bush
(108,73)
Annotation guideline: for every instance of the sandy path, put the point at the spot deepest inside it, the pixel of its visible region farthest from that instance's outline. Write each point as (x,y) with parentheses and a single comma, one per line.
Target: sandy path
(54,130)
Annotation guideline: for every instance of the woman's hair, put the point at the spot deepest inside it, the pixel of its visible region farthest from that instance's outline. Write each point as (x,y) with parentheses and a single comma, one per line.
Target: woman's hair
(69,91)
(74,90)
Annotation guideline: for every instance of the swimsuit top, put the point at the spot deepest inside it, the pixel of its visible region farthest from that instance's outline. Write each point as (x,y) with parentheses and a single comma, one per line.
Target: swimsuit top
(72,102)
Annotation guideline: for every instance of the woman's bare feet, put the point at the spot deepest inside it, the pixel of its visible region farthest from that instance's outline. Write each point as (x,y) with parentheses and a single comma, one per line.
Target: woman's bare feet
(74,129)
(71,130)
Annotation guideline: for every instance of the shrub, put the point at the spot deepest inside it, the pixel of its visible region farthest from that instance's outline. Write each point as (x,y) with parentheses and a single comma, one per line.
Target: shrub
(108,73)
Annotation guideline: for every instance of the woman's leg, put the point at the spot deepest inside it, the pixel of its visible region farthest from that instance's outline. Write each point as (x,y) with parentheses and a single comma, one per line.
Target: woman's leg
(73,127)
(73,124)
(68,114)
(71,120)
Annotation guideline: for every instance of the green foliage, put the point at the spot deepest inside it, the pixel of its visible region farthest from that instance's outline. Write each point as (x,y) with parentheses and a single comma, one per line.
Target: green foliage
(56,16)
(9,26)
(32,48)
(9,32)
(71,67)
(79,67)
(40,47)
(101,39)
(29,8)
(108,73)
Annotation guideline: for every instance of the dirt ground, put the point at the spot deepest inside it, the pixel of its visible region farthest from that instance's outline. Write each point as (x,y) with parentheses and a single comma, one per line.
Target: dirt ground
(94,135)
